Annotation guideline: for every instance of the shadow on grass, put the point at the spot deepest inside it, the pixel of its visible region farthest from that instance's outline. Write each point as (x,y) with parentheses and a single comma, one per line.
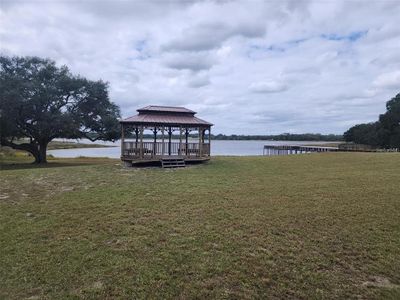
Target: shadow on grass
(20,165)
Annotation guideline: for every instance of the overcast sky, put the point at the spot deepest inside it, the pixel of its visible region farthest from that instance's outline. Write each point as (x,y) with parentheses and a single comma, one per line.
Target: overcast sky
(249,67)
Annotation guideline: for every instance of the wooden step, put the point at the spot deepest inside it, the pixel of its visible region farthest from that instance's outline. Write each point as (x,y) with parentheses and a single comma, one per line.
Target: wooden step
(173,163)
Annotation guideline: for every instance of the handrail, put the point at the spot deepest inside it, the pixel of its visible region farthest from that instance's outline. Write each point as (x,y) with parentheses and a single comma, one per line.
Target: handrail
(154,149)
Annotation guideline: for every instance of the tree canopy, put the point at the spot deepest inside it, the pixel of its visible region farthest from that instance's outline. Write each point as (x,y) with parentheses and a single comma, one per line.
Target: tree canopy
(390,123)
(282,137)
(384,133)
(40,101)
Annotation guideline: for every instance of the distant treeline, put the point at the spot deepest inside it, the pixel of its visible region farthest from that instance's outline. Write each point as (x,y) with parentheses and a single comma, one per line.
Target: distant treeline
(278,137)
(384,133)
(281,137)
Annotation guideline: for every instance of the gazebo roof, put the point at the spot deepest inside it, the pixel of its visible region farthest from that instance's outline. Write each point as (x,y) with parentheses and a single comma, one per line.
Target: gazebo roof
(165,115)
(167,109)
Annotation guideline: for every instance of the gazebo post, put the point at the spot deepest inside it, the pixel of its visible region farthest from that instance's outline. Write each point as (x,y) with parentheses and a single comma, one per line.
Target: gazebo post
(209,141)
(186,141)
(200,144)
(122,139)
(180,140)
(162,139)
(155,141)
(141,141)
(169,140)
(137,140)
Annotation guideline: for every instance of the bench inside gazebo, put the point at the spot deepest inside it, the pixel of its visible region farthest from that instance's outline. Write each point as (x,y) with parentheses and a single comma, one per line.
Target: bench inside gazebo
(168,135)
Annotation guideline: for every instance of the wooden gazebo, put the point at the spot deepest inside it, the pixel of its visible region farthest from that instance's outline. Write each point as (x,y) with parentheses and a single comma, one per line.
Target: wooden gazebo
(169,135)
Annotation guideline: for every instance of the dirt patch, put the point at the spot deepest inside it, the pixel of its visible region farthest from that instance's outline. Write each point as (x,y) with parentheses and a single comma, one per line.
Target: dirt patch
(379,281)
(97,285)
(66,188)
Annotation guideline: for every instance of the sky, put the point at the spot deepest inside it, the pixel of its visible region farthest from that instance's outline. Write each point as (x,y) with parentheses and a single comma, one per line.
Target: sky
(249,67)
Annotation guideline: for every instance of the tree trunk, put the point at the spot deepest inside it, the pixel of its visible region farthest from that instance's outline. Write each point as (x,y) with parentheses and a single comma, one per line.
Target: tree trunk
(37,149)
(40,155)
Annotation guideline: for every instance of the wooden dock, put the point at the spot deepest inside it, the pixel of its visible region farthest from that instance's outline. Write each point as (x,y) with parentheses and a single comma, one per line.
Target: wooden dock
(271,150)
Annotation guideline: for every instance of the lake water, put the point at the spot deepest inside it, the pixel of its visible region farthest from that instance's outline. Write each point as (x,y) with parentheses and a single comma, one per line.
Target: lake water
(231,148)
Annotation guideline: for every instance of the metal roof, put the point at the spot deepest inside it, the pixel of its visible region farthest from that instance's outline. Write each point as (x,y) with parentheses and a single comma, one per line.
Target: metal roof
(169,109)
(165,115)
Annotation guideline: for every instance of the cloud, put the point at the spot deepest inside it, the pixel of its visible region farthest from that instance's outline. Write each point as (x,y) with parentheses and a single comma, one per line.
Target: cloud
(268,87)
(284,65)
(199,81)
(190,61)
(388,80)
(207,36)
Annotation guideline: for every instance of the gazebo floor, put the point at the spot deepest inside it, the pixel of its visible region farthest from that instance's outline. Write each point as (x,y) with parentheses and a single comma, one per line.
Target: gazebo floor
(157,160)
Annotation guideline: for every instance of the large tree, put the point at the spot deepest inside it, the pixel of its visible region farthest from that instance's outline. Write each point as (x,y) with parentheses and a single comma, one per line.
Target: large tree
(390,122)
(384,133)
(367,134)
(40,101)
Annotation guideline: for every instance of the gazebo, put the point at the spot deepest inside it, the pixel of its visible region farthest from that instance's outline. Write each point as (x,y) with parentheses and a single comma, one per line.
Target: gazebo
(168,135)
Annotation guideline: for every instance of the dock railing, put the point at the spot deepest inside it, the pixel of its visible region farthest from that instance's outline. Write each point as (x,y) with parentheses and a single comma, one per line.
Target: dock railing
(270,150)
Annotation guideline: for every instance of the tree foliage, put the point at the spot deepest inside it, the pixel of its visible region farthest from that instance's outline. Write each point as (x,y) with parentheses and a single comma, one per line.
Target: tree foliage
(282,137)
(40,101)
(384,133)
(390,123)
(367,134)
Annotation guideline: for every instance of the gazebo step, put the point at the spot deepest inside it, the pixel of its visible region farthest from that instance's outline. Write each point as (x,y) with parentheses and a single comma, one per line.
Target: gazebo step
(173,162)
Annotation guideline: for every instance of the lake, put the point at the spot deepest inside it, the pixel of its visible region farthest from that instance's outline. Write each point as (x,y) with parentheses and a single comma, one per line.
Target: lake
(218,147)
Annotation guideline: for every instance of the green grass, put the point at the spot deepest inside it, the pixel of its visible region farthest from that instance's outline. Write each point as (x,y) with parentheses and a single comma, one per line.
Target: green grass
(9,155)
(316,226)
(54,145)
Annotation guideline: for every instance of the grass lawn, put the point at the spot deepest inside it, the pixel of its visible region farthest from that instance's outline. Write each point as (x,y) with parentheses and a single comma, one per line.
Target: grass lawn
(307,226)
(54,145)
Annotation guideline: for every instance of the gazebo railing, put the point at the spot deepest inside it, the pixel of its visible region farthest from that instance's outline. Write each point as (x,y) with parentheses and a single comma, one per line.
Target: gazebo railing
(159,149)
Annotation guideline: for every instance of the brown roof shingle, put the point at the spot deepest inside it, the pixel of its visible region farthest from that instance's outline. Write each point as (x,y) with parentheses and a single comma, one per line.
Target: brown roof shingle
(170,109)
(168,115)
